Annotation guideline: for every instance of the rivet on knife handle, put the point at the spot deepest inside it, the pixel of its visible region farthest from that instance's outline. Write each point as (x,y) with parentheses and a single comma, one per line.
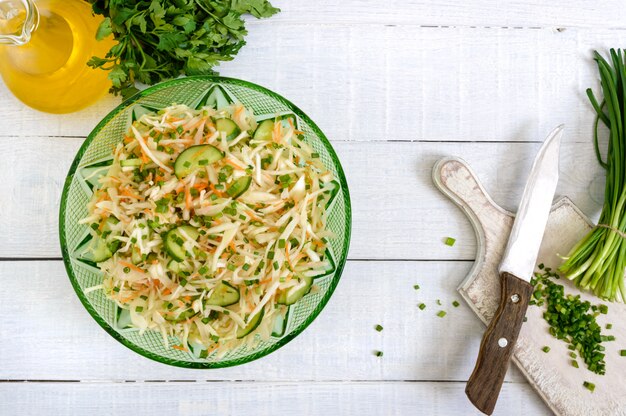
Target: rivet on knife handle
(497,345)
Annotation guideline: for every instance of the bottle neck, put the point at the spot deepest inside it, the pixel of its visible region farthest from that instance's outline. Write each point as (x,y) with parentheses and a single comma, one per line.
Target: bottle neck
(18,20)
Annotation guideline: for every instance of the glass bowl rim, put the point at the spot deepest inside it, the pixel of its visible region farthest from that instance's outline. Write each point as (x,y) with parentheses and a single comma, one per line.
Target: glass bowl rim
(340,263)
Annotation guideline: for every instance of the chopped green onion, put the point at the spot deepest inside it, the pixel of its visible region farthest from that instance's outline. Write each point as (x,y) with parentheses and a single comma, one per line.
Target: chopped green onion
(622,353)
(450,241)
(609,326)
(545,349)
(378,353)
(441,314)
(575,363)
(422,306)
(455,304)
(378,328)
(416,287)
(589,386)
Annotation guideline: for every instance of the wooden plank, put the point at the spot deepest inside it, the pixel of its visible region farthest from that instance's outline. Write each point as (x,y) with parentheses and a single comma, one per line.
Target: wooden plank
(507,13)
(48,335)
(397,212)
(379,82)
(244,398)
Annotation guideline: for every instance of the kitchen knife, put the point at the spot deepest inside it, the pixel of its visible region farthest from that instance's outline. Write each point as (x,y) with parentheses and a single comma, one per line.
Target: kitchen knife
(516,270)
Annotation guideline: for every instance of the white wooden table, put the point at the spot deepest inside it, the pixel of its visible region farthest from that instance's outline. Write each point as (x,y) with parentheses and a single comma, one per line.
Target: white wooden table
(395,85)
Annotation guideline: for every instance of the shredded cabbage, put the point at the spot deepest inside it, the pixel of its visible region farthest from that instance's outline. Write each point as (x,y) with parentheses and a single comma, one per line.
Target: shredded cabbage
(262,243)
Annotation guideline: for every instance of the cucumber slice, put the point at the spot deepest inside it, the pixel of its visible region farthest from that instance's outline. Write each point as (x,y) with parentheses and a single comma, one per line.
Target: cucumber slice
(96,251)
(183,316)
(239,186)
(194,158)
(173,240)
(252,325)
(135,255)
(130,162)
(177,267)
(228,127)
(264,130)
(295,293)
(280,324)
(223,295)
(123,318)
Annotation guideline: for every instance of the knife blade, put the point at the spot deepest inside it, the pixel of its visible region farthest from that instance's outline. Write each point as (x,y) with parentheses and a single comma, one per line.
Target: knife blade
(516,270)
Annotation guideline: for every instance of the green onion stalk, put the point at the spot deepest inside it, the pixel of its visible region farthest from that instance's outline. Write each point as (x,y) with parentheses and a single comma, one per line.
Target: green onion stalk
(598,261)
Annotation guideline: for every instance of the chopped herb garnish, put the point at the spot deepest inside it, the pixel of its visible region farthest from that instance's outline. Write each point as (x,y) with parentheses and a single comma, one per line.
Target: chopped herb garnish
(281,243)
(246,267)
(575,363)
(589,386)
(139,309)
(609,326)
(416,287)
(378,328)
(545,349)
(441,314)
(126,269)
(450,241)
(572,320)
(422,306)
(622,353)
(378,353)
(455,304)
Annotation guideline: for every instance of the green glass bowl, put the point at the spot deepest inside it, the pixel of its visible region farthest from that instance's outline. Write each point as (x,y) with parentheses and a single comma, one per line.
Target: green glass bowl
(95,155)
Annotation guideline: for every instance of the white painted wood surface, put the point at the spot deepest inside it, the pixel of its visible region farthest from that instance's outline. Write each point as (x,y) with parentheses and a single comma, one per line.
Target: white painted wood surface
(395,85)
(552,374)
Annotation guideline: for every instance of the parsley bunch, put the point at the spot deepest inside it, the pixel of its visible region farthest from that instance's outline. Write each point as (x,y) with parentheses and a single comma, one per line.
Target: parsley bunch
(161,39)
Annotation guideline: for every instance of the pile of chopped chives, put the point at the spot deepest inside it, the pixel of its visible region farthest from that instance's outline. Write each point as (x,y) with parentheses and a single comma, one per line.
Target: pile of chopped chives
(571,320)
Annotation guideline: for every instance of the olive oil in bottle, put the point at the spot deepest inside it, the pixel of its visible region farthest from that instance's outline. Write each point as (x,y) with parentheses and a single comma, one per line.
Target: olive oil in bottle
(44,49)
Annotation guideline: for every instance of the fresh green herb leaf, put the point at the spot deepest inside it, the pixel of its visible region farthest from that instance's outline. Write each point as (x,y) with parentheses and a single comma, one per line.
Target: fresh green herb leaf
(161,39)
(450,241)
(378,328)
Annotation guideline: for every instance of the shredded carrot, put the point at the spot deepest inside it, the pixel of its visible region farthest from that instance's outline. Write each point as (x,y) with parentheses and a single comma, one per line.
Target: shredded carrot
(187,198)
(287,256)
(277,132)
(200,186)
(233,164)
(232,246)
(179,347)
(187,298)
(167,291)
(215,191)
(131,266)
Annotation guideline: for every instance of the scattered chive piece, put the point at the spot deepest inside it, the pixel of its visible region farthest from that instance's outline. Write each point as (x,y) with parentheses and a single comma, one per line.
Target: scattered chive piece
(139,309)
(422,306)
(450,241)
(589,386)
(378,328)
(572,354)
(126,269)
(525,319)
(378,353)
(575,363)
(603,309)
(622,353)
(545,349)
(609,326)
(416,287)
(441,314)
(438,302)
(455,304)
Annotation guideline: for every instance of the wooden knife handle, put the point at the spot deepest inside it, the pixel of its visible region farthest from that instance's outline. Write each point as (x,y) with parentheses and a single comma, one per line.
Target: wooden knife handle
(497,345)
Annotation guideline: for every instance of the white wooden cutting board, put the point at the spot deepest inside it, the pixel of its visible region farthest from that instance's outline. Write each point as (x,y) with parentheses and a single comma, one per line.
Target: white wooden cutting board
(551,374)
